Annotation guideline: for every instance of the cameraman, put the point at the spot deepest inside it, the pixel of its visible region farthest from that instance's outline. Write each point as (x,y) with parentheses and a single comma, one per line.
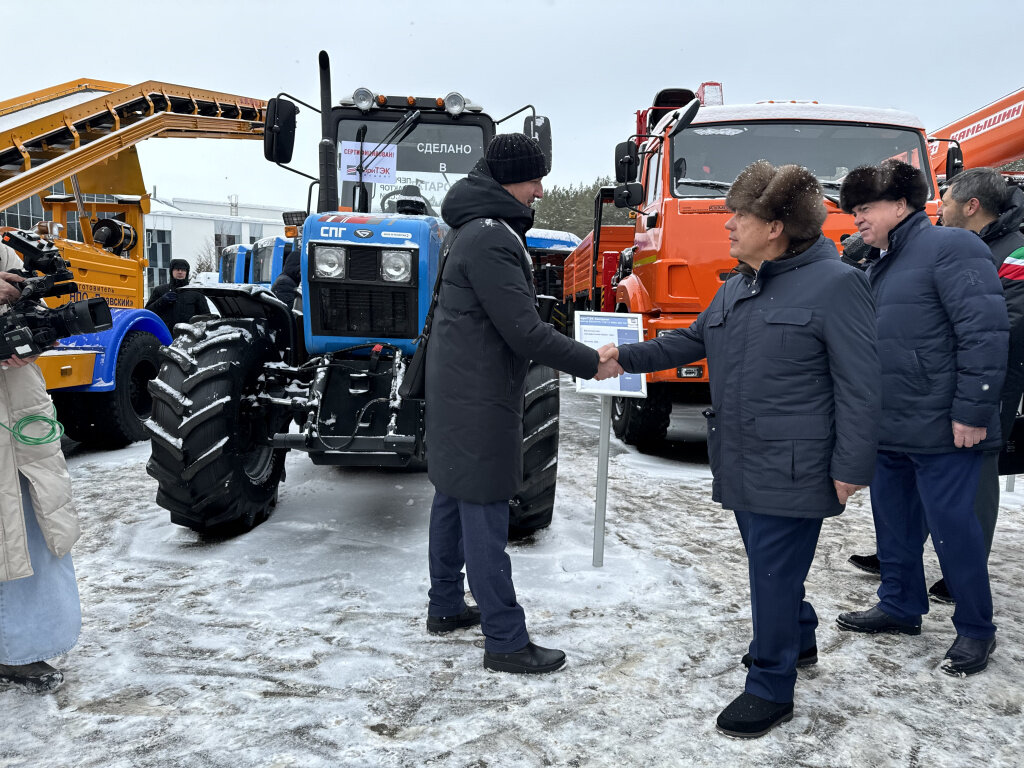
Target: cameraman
(174,307)
(40,615)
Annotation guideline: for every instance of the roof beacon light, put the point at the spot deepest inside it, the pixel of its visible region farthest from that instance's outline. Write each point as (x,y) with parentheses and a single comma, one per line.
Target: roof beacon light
(455,104)
(363,99)
(710,94)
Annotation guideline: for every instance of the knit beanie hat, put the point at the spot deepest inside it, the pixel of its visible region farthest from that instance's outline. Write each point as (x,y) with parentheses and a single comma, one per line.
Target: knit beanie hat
(515,157)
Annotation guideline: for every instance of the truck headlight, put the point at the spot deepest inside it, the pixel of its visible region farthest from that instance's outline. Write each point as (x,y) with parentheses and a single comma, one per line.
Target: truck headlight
(396,266)
(329,262)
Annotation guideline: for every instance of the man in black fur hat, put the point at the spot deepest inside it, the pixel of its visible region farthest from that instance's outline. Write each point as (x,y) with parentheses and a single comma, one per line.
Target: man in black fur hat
(942,344)
(790,344)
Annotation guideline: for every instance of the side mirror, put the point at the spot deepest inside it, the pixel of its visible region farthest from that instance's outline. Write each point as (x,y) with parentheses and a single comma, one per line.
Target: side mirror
(629,195)
(539,127)
(279,131)
(626,162)
(954,161)
(686,117)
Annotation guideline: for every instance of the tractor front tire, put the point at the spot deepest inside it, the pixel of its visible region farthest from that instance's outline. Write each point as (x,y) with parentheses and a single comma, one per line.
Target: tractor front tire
(215,468)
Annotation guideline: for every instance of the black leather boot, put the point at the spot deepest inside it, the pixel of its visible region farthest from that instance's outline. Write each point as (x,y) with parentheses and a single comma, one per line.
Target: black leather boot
(750,716)
(37,677)
(531,659)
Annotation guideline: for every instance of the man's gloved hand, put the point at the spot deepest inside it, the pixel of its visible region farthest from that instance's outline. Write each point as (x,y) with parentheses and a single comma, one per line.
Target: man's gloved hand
(171,296)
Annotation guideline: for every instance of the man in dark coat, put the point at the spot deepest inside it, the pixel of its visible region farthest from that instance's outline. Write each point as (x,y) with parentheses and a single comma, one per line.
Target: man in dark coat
(942,344)
(980,201)
(173,307)
(286,285)
(790,344)
(485,331)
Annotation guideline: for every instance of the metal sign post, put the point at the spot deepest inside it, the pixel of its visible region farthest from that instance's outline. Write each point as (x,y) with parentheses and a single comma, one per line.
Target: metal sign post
(595,329)
(602,480)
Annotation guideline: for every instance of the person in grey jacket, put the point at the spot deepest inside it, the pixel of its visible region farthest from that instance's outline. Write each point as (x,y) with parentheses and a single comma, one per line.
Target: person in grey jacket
(942,344)
(790,344)
(485,331)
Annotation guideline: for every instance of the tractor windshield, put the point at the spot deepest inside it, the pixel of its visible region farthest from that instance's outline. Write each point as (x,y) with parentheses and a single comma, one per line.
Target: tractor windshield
(412,176)
(707,158)
(263,260)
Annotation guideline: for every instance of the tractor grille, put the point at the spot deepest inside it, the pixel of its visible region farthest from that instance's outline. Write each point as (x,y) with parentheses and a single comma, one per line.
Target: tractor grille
(363,264)
(367,310)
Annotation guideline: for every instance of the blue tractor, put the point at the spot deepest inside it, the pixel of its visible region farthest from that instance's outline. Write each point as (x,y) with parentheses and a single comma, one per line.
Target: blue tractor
(235,393)
(234,264)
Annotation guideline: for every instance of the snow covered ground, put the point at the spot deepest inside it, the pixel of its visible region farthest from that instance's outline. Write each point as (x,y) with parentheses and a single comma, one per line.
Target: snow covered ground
(303,642)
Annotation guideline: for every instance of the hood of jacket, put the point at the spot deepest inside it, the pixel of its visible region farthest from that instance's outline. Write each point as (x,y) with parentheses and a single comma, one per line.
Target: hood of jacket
(480,196)
(1009,220)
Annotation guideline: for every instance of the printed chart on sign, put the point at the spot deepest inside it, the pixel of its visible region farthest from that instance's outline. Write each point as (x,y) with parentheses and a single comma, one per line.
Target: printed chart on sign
(595,329)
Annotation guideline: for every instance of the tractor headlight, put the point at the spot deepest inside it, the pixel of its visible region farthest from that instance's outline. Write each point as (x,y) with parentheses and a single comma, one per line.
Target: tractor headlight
(329,262)
(363,99)
(455,104)
(396,266)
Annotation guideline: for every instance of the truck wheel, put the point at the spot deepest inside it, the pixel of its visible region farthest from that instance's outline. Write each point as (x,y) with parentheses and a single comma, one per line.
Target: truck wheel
(531,508)
(643,422)
(215,470)
(114,419)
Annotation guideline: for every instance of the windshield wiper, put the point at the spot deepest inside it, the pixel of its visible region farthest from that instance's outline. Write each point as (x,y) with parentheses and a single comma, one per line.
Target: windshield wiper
(831,185)
(400,130)
(704,183)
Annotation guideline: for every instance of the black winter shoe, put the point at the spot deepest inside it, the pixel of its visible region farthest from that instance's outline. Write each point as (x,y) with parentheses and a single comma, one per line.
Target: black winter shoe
(875,620)
(939,592)
(439,625)
(808,657)
(867,563)
(37,677)
(750,716)
(967,656)
(531,659)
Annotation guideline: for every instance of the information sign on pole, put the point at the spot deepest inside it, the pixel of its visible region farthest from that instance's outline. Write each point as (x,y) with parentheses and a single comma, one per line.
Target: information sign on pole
(595,329)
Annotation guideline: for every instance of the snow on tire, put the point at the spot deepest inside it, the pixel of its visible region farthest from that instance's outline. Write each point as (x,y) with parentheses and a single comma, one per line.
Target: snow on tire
(214,467)
(531,509)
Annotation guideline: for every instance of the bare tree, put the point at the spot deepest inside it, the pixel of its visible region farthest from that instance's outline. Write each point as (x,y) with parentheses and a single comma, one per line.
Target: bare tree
(207,258)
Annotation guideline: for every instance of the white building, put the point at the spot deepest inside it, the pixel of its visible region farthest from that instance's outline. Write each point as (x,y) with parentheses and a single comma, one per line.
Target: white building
(197,231)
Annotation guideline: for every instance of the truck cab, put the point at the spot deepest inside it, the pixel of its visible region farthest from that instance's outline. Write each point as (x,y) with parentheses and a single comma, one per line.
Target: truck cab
(678,256)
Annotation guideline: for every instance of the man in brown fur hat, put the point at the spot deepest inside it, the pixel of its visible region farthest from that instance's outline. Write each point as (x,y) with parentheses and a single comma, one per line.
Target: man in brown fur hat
(790,344)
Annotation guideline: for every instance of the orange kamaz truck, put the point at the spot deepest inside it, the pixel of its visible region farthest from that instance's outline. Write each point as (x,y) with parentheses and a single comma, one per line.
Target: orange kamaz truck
(687,150)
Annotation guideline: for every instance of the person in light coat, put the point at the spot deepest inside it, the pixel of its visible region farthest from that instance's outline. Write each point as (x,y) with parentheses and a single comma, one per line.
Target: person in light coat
(40,614)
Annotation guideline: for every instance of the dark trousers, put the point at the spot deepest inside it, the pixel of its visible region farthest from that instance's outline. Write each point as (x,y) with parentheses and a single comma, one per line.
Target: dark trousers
(913,494)
(779,555)
(986,503)
(475,535)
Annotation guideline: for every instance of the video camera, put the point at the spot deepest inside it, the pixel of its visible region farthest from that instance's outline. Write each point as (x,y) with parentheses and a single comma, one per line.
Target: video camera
(31,327)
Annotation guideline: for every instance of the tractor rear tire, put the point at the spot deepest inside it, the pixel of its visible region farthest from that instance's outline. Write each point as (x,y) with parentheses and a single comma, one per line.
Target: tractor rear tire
(108,420)
(531,509)
(215,469)
(643,422)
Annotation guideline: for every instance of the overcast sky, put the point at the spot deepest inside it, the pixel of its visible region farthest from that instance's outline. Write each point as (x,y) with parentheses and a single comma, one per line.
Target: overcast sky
(587,64)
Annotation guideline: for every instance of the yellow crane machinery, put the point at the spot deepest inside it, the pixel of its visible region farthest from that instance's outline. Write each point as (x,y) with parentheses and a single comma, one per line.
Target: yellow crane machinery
(82,134)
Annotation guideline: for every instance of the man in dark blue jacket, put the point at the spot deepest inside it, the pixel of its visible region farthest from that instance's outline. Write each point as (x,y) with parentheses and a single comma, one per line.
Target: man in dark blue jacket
(942,344)
(790,344)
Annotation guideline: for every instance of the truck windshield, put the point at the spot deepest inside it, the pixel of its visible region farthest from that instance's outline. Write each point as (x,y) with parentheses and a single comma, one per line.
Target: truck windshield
(707,158)
(423,165)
